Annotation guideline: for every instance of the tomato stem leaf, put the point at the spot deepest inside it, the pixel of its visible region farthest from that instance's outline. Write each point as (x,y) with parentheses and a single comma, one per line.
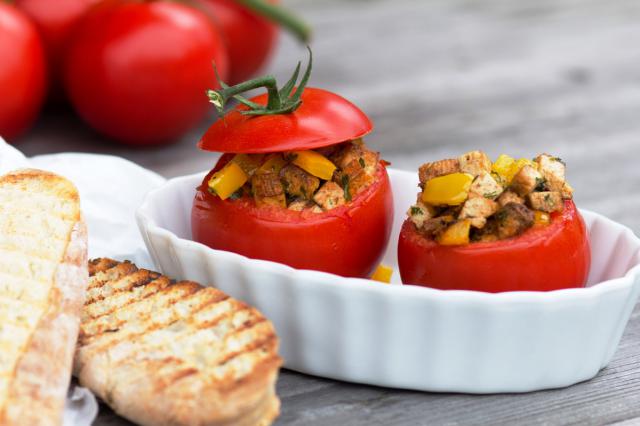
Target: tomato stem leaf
(279,101)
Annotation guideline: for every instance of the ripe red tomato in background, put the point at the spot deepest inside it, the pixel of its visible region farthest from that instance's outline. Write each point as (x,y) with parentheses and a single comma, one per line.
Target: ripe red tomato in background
(249,37)
(543,258)
(138,71)
(349,240)
(22,72)
(55,20)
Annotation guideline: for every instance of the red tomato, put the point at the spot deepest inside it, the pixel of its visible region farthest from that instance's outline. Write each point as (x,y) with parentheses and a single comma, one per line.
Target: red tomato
(22,72)
(543,258)
(348,240)
(138,71)
(54,20)
(249,37)
(323,119)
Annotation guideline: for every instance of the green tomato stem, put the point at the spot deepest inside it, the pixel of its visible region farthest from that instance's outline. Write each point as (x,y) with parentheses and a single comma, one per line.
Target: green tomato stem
(281,16)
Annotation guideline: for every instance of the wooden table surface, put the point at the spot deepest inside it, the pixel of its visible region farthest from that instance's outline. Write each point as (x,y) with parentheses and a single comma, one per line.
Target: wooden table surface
(439,78)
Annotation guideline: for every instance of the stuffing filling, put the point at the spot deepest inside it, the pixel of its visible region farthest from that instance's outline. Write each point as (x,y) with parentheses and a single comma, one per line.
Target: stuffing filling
(316,180)
(471,199)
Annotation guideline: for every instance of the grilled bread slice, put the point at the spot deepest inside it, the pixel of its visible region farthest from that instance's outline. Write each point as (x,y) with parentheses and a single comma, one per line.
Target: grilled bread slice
(175,353)
(43,275)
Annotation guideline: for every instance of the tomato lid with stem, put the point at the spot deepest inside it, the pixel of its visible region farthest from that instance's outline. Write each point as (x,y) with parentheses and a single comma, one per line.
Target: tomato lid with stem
(286,119)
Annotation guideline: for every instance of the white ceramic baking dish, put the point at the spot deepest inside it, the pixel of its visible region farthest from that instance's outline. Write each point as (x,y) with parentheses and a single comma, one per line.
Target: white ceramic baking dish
(407,336)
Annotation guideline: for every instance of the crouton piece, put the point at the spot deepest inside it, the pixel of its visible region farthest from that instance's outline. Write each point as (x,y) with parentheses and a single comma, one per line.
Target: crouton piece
(485,186)
(299,205)
(298,183)
(433,227)
(354,177)
(547,201)
(509,196)
(526,180)
(474,163)
(478,209)
(438,168)
(512,220)
(349,152)
(268,190)
(553,170)
(420,212)
(316,209)
(329,196)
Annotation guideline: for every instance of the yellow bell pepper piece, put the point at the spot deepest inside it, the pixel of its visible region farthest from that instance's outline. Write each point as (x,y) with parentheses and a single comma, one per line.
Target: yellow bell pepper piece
(314,163)
(249,163)
(227,180)
(273,163)
(456,234)
(541,218)
(507,167)
(450,190)
(382,273)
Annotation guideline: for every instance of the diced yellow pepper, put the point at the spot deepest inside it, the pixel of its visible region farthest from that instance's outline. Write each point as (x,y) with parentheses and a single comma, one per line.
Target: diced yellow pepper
(227,180)
(541,218)
(273,163)
(314,163)
(507,167)
(450,190)
(456,234)
(382,273)
(249,163)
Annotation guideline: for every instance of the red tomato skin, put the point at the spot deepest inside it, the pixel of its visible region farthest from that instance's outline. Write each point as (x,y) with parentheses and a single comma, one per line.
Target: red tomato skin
(55,20)
(348,241)
(22,72)
(323,119)
(138,71)
(249,37)
(543,258)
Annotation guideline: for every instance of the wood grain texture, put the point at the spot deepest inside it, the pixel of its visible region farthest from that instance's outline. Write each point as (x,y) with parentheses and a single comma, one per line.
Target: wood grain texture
(439,78)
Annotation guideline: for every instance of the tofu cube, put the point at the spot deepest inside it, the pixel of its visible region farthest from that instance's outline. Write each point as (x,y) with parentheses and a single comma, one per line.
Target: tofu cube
(485,186)
(552,170)
(474,163)
(478,208)
(509,196)
(526,180)
(329,196)
(547,201)
(429,171)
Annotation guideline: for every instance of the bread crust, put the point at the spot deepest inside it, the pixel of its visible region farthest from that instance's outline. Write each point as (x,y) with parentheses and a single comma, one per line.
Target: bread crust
(37,391)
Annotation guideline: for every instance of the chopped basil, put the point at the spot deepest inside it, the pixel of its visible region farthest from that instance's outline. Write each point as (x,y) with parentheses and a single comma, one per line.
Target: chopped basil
(361,161)
(345,187)
(416,210)
(491,195)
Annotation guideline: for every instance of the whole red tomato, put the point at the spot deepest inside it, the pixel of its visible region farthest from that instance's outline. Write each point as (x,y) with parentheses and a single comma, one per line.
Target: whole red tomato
(348,240)
(543,258)
(22,72)
(55,20)
(250,38)
(137,71)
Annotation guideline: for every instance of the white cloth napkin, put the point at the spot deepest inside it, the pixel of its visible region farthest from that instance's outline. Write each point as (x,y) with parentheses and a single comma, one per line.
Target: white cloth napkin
(111,189)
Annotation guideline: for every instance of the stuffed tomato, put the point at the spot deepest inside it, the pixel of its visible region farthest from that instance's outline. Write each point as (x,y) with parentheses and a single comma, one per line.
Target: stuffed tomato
(510,225)
(296,184)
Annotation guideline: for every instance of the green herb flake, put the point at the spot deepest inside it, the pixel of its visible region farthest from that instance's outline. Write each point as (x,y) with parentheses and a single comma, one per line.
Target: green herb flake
(416,210)
(345,187)
(490,195)
(540,184)
(361,161)
(238,194)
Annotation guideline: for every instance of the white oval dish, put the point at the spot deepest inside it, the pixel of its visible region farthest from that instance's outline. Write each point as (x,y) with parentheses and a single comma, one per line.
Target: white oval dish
(407,336)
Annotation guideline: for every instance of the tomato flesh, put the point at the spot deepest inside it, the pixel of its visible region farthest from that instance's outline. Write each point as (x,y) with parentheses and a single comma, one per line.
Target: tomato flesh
(543,258)
(323,119)
(348,240)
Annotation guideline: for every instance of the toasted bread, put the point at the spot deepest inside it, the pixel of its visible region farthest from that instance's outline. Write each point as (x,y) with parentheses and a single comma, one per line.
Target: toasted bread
(175,353)
(43,275)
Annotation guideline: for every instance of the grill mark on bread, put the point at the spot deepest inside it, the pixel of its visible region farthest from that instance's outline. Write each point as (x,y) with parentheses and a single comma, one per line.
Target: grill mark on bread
(145,336)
